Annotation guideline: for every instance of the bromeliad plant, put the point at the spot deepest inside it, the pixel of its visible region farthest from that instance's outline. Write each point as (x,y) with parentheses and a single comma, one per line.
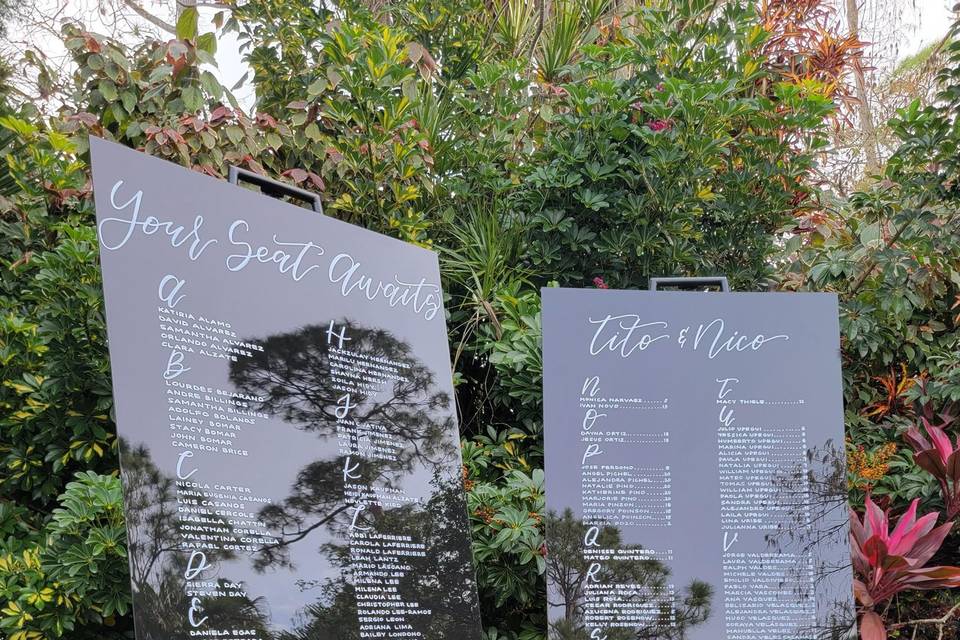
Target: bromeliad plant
(940,457)
(888,562)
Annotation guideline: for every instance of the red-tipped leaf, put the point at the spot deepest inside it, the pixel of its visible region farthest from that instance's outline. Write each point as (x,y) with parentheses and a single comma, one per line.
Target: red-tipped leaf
(930,462)
(904,525)
(905,545)
(875,520)
(862,593)
(927,546)
(876,551)
(953,467)
(871,627)
(916,440)
(941,441)
(857,530)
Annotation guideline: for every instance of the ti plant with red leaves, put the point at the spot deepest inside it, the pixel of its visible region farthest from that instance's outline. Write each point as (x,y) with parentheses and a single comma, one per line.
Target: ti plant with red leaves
(888,562)
(895,389)
(936,454)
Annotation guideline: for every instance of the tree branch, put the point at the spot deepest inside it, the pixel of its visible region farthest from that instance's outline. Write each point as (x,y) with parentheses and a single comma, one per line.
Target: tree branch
(937,621)
(149,17)
(871,146)
(872,264)
(539,31)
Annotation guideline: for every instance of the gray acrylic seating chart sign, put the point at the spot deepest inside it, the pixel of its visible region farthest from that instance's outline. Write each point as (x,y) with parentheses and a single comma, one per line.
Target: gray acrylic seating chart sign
(289,447)
(695,472)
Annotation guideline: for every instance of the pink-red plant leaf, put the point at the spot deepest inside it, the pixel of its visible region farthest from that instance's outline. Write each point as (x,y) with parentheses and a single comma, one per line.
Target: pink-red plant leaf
(930,462)
(905,546)
(871,627)
(928,545)
(856,529)
(953,467)
(904,525)
(941,441)
(916,440)
(862,594)
(876,551)
(875,520)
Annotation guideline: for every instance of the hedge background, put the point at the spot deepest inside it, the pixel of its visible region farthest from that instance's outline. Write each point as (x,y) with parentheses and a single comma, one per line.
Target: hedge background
(586,145)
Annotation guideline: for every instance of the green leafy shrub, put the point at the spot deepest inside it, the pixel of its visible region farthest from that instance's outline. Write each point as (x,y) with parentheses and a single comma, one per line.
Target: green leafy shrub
(665,142)
(56,393)
(56,399)
(684,166)
(892,255)
(71,577)
(87,553)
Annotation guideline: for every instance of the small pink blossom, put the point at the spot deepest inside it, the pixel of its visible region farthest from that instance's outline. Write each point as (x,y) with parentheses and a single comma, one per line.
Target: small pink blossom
(659,125)
(599,283)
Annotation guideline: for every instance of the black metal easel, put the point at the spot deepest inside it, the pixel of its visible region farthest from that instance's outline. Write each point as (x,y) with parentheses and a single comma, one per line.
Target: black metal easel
(274,188)
(690,283)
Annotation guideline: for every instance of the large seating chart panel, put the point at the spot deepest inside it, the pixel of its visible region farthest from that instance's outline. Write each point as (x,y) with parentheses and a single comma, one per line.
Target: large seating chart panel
(289,446)
(695,466)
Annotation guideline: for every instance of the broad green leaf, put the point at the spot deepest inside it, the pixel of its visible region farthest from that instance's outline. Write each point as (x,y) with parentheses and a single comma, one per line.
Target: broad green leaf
(187,23)
(108,90)
(207,42)
(192,98)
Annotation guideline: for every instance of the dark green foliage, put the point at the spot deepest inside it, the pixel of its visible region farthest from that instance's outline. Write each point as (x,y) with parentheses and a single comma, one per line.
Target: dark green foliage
(682,167)
(893,257)
(73,580)
(597,144)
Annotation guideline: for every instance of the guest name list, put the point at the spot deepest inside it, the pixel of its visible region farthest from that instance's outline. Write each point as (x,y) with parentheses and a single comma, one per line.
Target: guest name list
(284,404)
(695,470)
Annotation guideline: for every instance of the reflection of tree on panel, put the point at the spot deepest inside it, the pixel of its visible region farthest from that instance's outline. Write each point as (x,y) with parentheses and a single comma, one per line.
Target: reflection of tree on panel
(332,617)
(815,494)
(158,562)
(151,513)
(293,375)
(567,581)
(442,581)
(316,501)
(446,575)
